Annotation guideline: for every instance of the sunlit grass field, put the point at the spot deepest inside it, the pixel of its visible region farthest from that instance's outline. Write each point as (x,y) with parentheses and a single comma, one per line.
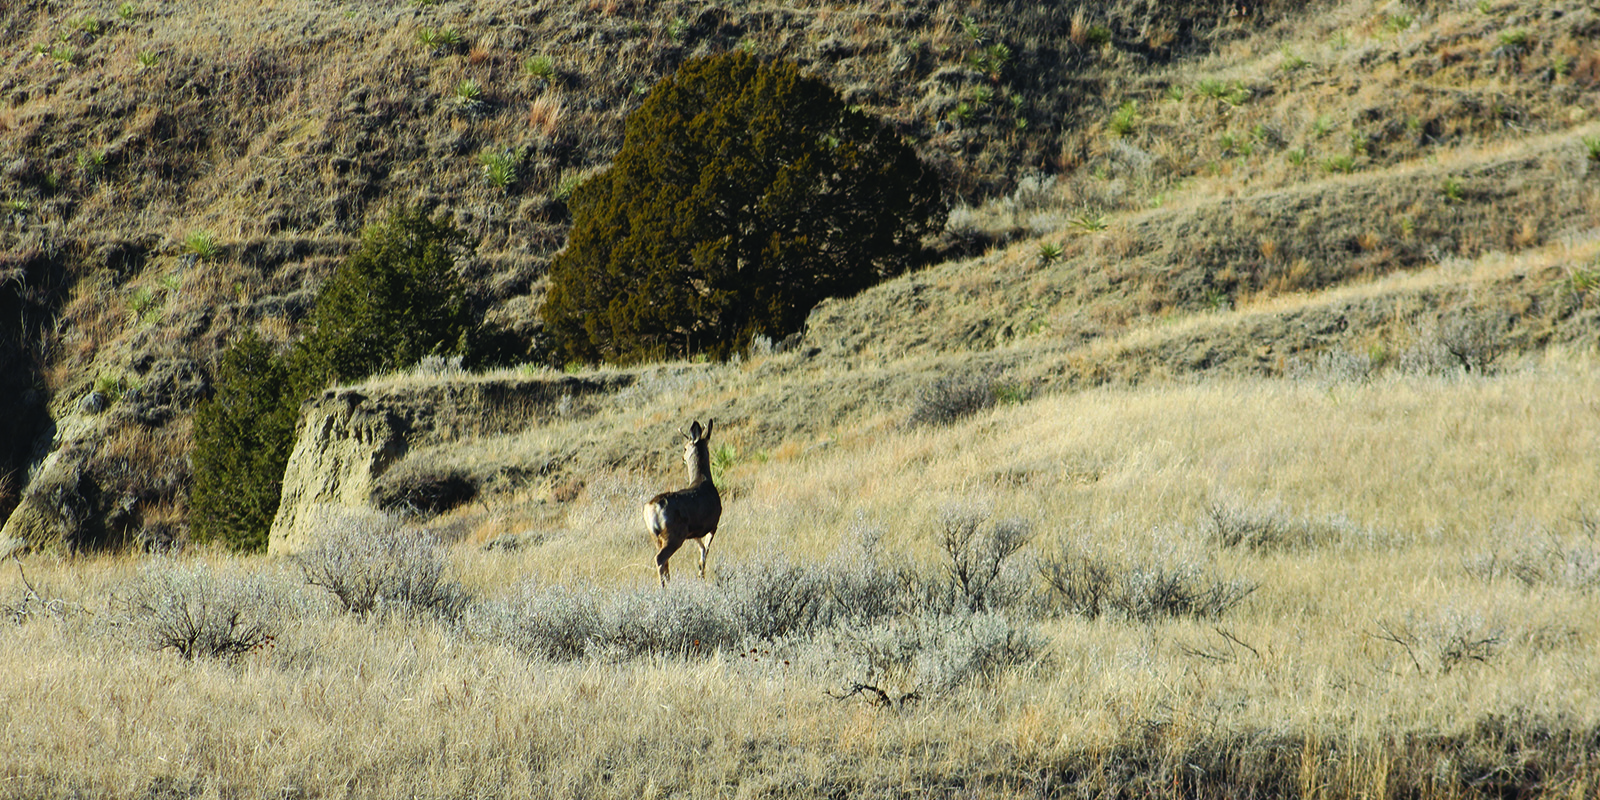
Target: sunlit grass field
(1418,559)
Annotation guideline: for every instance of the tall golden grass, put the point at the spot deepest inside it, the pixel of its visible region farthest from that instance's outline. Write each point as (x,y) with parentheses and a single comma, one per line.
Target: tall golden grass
(1378,650)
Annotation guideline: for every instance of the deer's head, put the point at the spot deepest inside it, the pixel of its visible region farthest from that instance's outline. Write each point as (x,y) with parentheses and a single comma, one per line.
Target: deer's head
(696,446)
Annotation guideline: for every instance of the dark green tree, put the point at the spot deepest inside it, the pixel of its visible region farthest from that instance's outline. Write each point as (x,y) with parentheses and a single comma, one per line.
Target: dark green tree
(396,299)
(242,437)
(743,194)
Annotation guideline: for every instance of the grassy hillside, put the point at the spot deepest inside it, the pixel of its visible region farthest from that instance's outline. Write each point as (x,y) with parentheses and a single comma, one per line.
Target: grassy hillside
(176,170)
(1266,333)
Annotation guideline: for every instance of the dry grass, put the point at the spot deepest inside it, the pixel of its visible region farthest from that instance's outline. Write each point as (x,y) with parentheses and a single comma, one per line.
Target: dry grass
(1231,373)
(1380,640)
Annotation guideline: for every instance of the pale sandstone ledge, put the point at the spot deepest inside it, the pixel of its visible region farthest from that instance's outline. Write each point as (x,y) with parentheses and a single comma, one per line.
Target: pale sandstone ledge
(348,438)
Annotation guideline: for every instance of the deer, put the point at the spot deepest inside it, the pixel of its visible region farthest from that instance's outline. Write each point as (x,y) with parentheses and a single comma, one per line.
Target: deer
(689,513)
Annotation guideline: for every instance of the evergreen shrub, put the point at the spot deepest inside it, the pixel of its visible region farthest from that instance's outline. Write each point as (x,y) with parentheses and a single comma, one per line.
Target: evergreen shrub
(744,193)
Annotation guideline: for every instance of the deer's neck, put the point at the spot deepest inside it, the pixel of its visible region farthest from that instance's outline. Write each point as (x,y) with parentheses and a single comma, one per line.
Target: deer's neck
(700,466)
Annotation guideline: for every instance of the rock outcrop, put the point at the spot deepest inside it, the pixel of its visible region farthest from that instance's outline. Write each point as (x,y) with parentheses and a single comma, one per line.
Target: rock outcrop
(348,439)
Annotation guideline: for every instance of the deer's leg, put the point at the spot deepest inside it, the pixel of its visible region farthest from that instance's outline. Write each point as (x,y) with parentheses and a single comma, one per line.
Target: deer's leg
(667,549)
(705,547)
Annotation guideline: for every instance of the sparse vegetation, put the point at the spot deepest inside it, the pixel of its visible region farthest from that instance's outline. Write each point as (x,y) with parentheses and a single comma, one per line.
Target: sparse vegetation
(195,611)
(952,397)
(1295,455)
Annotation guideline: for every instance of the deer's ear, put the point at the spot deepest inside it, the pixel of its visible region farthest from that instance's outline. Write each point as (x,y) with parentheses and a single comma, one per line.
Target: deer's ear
(709,423)
(695,432)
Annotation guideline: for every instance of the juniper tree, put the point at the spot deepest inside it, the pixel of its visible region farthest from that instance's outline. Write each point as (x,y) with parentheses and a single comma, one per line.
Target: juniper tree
(744,193)
(242,437)
(396,299)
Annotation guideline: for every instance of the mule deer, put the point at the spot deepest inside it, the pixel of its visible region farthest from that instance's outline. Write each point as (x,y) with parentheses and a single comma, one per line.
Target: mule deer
(691,513)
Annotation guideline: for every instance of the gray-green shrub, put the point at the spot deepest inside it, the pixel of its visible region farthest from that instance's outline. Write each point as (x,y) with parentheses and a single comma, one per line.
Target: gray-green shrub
(374,563)
(1089,585)
(195,611)
(952,397)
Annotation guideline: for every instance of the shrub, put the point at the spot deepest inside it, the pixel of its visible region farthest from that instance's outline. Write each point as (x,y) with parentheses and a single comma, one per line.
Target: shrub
(743,194)
(375,564)
(1474,340)
(196,612)
(1124,119)
(552,622)
(926,654)
(1087,585)
(773,596)
(1568,561)
(242,437)
(953,397)
(686,618)
(392,302)
(978,560)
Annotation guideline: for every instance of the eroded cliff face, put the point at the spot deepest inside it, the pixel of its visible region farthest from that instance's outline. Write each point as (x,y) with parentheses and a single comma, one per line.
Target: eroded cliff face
(343,443)
(348,439)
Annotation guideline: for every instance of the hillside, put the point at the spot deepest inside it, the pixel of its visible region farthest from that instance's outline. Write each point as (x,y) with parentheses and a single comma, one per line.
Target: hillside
(1238,437)
(1115,169)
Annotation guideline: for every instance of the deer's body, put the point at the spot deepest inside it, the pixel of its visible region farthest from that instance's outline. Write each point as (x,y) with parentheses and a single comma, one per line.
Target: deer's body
(690,513)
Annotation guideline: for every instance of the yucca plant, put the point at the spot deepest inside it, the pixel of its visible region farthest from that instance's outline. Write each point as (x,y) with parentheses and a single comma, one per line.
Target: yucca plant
(1124,119)
(541,67)
(499,168)
(437,40)
(1089,222)
(1049,253)
(202,245)
(1343,165)
(469,95)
